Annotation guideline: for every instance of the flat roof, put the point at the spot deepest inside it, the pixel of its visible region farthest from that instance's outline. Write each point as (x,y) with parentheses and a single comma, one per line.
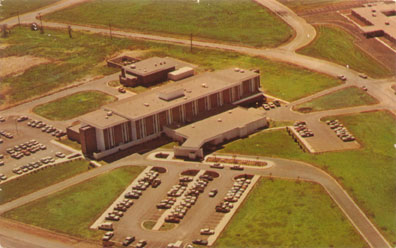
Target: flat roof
(101,119)
(380,15)
(198,133)
(149,66)
(148,103)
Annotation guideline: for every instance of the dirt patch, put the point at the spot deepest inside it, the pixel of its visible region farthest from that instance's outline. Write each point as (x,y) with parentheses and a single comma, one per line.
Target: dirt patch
(3,46)
(130,53)
(16,65)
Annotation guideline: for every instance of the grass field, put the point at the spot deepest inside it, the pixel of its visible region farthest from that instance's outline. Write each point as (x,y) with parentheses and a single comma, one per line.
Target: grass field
(336,45)
(298,5)
(74,209)
(347,97)
(84,55)
(235,21)
(283,213)
(69,107)
(41,179)
(368,174)
(73,59)
(10,8)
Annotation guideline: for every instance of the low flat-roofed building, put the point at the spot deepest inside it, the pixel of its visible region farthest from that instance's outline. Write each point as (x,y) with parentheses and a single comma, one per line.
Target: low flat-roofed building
(146,72)
(142,117)
(380,19)
(217,129)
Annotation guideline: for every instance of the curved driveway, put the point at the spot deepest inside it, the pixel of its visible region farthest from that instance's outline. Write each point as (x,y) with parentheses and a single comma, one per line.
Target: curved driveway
(282,168)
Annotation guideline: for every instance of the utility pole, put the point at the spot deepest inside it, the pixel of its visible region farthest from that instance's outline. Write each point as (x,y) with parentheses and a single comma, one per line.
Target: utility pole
(191,37)
(69,29)
(111,37)
(19,20)
(41,25)
(4,30)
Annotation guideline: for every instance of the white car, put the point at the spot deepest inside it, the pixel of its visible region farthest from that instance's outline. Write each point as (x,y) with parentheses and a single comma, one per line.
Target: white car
(60,155)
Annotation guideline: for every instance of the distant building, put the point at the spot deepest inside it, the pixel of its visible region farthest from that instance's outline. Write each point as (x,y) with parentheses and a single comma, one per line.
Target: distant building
(380,19)
(143,117)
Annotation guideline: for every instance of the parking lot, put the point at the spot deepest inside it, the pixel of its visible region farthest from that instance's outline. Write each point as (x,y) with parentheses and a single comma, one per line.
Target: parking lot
(200,214)
(28,144)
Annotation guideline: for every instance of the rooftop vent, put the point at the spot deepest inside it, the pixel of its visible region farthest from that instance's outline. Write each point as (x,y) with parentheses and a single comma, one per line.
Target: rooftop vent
(236,69)
(146,104)
(133,66)
(171,94)
(192,126)
(204,85)
(230,112)
(109,113)
(386,23)
(164,62)
(242,71)
(374,15)
(219,120)
(155,65)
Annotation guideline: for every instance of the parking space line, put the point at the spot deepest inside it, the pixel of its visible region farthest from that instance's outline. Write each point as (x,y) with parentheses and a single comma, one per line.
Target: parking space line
(227,217)
(161,220)
(101,219)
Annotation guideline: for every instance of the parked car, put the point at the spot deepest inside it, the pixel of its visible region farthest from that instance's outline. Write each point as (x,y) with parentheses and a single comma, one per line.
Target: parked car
(156,183)
(3,177)
(60,155)
(200,242)
(363,76)
(107,226)
(342,77)
(128,240)
(277,103)
(236,167)
(207,231)
(142,243)
(266,107)
(121,90)
(213,193)
(107,236)
(364,88)
(217,166)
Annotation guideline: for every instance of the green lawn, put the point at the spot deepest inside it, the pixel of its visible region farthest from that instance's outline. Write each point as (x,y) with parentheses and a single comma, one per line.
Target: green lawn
(368,174)
(235,21)
(41,179)
(73,59)
(84,55)
(347,97)
(73,210)
(337,45)
(11,8)
(283,213)
(298,5)
(69,107)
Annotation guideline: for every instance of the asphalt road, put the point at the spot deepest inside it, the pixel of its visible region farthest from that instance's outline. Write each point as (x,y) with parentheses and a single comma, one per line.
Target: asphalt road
(282,168)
